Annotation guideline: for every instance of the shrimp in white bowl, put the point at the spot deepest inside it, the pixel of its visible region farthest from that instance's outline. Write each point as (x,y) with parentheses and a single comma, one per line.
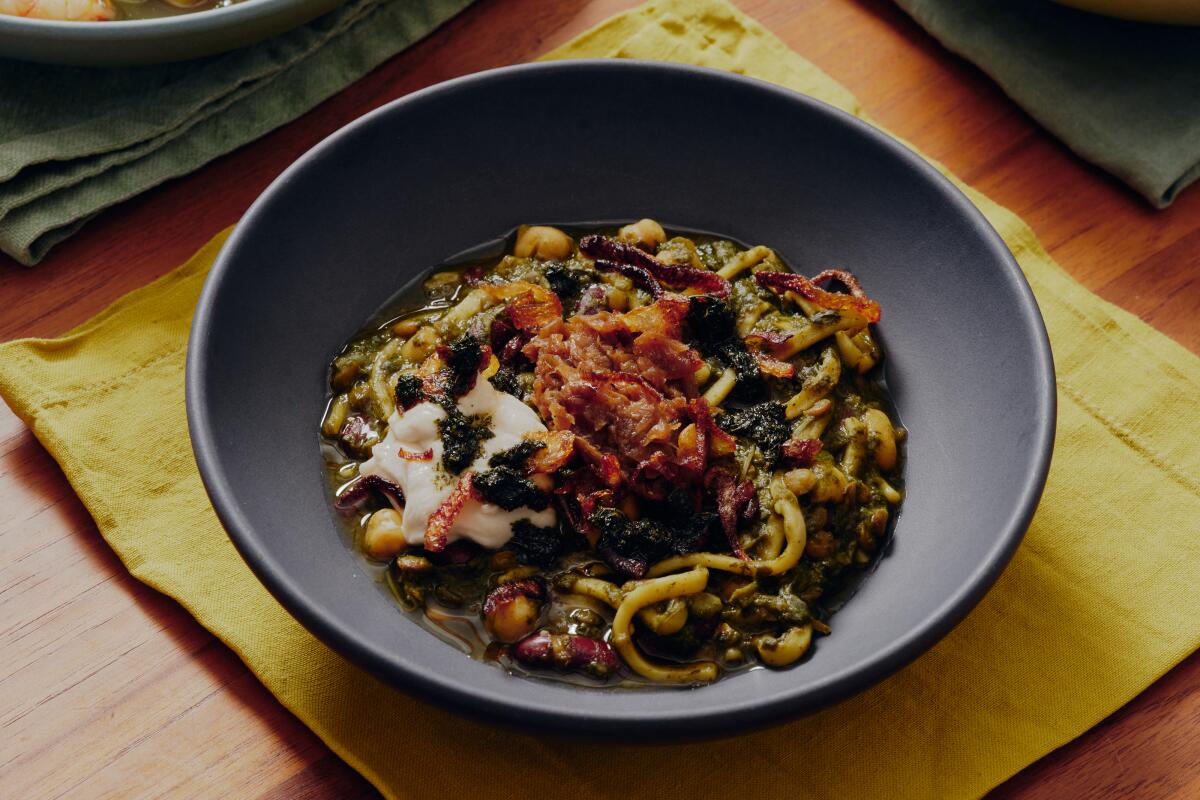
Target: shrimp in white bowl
(69,10)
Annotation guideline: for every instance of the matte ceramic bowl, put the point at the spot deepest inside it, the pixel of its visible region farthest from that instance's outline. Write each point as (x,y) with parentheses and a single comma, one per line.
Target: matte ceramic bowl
(398,191)
(1171,12)
(147,41)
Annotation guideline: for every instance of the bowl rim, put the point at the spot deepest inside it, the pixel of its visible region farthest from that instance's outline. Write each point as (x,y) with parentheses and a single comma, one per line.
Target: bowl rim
(144,29)
(681,722)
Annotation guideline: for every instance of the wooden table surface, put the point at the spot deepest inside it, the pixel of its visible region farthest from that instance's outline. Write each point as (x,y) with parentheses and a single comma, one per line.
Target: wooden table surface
(108,689)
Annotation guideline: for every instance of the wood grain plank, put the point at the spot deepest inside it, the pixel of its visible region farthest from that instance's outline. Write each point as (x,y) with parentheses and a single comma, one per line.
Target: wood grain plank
(108,689)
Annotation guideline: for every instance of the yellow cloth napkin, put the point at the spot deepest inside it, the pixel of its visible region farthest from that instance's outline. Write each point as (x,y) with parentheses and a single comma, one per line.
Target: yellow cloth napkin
(1099,601)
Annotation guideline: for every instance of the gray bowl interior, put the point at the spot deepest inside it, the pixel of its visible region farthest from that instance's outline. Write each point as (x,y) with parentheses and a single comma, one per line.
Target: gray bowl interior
(432,174)
(150,41)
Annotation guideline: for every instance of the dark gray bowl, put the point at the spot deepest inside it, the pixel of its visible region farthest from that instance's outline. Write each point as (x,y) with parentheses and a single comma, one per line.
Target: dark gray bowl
(443,169)
(148,41)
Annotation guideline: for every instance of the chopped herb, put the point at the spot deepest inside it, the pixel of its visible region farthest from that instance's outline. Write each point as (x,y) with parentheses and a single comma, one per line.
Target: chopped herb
(565,282)
(409,391)
(463,362)
(506,380)
(509,489)
(764,424)
(750,386)
(517,455)
(713,330)
(710,322)
(689,527)
(533,545)
(630,546)
(462,436)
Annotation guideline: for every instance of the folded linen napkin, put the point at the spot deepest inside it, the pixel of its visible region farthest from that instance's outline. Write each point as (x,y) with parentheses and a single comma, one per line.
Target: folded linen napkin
(1124,95)
(1097,603)
(76,140)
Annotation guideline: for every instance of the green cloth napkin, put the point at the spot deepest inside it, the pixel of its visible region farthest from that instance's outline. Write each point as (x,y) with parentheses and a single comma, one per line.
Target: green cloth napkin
(1124,95)
(76,140)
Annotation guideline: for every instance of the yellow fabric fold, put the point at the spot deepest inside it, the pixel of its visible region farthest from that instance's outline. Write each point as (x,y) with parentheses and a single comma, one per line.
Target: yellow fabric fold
(1099,601)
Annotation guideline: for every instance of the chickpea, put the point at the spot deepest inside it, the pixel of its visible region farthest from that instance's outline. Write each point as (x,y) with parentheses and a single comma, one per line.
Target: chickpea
(799,481)
(680,251)
(644,232)
(619,282)
(383,537)
(727,635)
(786,649)
(514,620)
(820,408)
(819,546)
(665,618)
(407,327)
(413,564)
(422,343)
(442,282)
(543,242)
(705,605)
(585,622)
(831,483)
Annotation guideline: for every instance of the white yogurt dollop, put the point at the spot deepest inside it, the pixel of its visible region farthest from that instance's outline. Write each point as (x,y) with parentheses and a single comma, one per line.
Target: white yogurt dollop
(427,483)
